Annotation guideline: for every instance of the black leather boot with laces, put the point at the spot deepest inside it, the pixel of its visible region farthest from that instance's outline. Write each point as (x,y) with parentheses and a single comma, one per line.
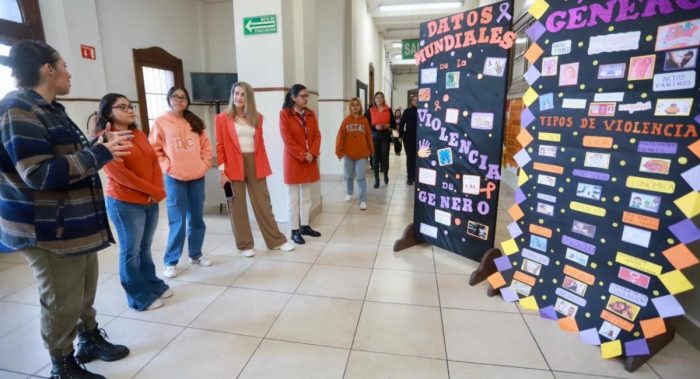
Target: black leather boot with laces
(93,344)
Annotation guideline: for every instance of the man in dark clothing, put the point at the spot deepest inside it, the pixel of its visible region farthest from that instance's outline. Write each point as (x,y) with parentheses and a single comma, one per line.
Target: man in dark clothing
(407,132)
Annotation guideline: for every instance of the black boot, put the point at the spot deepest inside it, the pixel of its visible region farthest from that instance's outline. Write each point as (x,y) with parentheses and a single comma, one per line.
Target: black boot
(297,238)
(386,178)
(307,231)
(93,345)
(376,179)
(68,367)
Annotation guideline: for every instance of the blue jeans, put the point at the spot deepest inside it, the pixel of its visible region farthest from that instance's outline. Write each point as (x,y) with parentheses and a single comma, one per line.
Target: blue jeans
(185,201)
(357,169)
(135,225)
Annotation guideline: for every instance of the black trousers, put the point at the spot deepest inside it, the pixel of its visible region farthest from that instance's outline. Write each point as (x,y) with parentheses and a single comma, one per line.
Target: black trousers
(410,147)
(381,152)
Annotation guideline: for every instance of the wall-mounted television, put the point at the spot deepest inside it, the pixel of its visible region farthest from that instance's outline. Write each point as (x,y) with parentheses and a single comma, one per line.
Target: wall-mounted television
(212,87)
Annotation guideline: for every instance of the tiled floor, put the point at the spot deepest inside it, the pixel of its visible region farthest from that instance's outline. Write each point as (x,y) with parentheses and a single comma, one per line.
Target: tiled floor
(344,305)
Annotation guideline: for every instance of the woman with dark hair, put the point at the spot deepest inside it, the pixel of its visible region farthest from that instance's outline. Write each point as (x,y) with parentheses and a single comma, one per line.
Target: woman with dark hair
(381,118)
(52,209)
(302,146)
(407,131)
(133,191)
(395,137)
(184,152)
(243,163)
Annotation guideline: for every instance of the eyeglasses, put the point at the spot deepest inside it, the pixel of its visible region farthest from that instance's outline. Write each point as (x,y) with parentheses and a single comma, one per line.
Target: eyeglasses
(178,98)
(124,107)
(304,96)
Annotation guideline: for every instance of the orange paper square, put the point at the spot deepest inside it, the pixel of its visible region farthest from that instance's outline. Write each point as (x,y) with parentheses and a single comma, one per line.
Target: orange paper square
(515,212)
(653,327)
(496,280)
(524,137)
(695,148)
(568,324)
(680,256)
(533,53)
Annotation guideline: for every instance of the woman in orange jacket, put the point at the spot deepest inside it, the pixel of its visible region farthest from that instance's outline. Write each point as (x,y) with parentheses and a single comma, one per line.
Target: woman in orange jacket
(302,146)
(134,189)
(243,162)
(354,145)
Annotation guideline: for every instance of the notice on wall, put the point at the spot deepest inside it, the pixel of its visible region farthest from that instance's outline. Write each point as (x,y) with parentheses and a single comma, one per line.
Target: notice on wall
(610,170)
(463,61)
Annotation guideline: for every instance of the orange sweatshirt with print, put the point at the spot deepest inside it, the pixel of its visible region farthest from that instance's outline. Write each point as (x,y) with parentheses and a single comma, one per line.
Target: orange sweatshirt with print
(183,154)
(137,179)
(354,138)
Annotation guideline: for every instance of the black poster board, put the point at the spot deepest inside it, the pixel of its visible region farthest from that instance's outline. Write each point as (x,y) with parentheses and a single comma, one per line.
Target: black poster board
(463,64)
(609,173)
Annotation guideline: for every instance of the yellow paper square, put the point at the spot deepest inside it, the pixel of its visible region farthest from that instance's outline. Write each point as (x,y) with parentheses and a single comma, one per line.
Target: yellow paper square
(522,178)
(675,282)
(530,96)
(509,247)
(611,349)
(538,8)
(689,204)
(529,303)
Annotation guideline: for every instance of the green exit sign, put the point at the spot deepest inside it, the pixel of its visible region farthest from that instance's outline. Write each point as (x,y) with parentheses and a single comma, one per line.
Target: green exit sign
(260,25)
(408,48)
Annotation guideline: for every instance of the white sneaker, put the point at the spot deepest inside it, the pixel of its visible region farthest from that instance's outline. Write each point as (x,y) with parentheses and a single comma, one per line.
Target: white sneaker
(287,246)
(204,262)
(348,197)
(157,303)
(167,294)
(363,206)
(248,253)
(169,271)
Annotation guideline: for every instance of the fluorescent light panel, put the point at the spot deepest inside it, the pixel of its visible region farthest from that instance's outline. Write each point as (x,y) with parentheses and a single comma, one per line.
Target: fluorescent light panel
(415,7)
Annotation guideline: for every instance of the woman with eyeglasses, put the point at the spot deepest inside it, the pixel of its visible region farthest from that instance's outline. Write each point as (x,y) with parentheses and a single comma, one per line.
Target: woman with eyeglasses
(184,152)
(302,146)
(134,189)
(381,119)
(243,164)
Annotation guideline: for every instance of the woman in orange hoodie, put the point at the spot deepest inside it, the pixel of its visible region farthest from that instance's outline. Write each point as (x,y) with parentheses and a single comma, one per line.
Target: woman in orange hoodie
(134,188)
(184,152)
(302,146)
(354,146)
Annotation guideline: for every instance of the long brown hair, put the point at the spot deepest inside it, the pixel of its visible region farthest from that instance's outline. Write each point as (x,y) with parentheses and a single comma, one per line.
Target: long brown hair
(249,108)
(195,122)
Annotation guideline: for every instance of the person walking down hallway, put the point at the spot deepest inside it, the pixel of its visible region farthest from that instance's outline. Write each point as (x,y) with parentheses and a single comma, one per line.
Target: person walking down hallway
(134,189)
(243,162)
(407,131)
(184,152)
(381,118)
(302,146)
(52,210)
(354,145)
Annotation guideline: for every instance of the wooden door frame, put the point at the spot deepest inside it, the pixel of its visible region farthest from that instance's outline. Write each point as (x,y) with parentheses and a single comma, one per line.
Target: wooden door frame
(371,84)
(155,57)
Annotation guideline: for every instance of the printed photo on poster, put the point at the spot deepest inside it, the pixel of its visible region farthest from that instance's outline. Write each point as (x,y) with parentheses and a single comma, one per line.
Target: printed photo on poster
(478,230)
(642,67)
(428,76)
(565,308)
(549,66)
(539,243)
(589,191)
(568,74)
(427,176)
(574,286)
(583,229)
(494,66)
(636,236)
(452,80)
(634,277)
(520,288)
(445,156)
(612,71)
(482,121)
(673,107)
(601,109)
(547,151)
(683,59)
(545,208)
(622,308)
(471,184)
(546,101)
(597,160)
(424,94)
(576,256)
(609,331)
(644,202)
(655,165)
(531,267)
(677,35)
(547,180)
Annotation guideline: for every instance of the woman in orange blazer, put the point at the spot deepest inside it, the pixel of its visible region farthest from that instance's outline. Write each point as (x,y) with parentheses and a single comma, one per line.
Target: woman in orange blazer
(302,146)
(243,163)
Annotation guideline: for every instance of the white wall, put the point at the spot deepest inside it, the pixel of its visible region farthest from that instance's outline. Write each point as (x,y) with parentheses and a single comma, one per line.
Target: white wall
(367,47)
(403,83)
(219,37)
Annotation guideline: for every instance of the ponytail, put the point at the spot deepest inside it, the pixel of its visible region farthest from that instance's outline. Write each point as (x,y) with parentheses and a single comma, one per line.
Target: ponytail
(195,122)
(293,92)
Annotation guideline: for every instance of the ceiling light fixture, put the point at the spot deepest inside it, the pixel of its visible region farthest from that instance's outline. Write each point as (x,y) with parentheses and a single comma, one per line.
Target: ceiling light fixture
(415,7)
